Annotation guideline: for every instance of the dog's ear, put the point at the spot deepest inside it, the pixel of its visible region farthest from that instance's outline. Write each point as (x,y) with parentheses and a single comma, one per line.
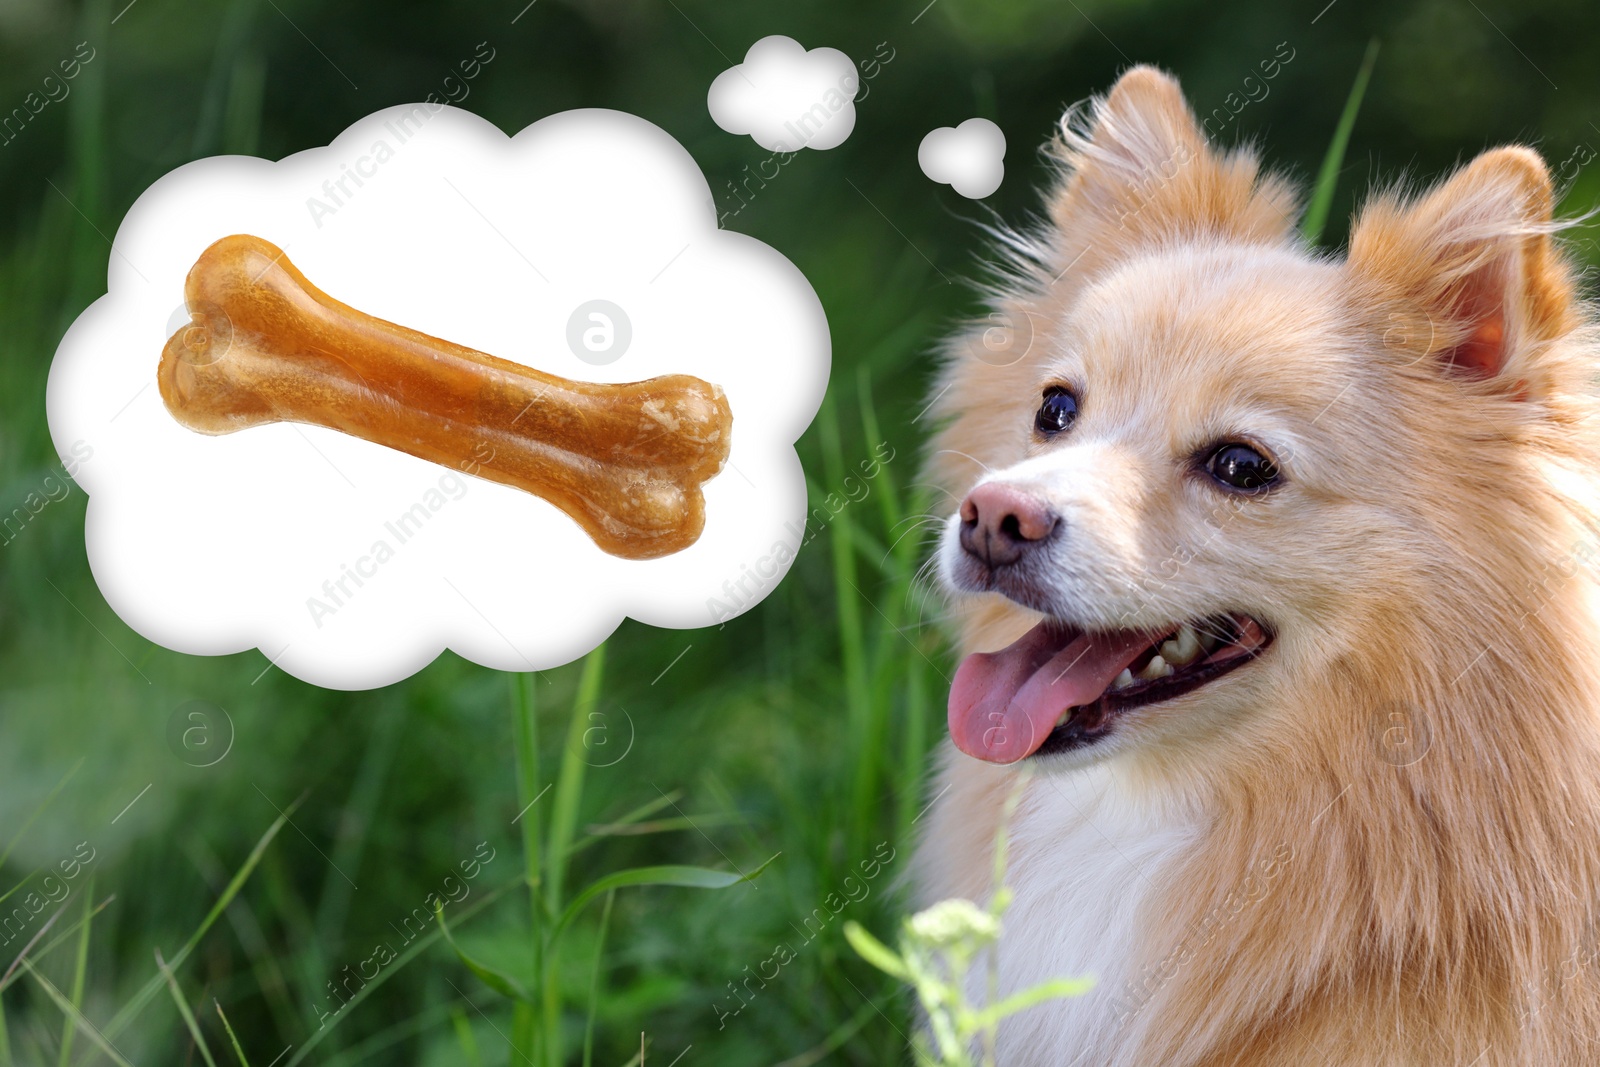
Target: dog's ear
(1137,171)
(1469,273)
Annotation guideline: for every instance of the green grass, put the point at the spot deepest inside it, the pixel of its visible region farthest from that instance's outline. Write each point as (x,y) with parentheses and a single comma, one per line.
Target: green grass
(1316,217)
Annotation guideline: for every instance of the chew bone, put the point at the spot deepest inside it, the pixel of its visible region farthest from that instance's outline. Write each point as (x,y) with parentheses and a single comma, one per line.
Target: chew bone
(625,461)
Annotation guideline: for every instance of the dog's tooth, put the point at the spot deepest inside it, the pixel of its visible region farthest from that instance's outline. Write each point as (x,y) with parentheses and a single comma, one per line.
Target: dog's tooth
(1124,679)
(1182,648)
(1156,668)
(1208,641)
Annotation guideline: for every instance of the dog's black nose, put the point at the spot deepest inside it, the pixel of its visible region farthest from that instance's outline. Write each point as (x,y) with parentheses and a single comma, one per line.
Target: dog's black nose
(999,523)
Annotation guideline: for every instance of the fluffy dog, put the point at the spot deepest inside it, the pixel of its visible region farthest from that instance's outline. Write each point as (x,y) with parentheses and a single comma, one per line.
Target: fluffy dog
(1274,567)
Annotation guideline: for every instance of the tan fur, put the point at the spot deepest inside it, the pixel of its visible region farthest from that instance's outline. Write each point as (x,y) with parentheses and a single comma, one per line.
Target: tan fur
(1419,561)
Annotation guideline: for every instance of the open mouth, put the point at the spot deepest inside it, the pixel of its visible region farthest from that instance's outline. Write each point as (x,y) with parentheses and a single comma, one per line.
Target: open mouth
(1057,689)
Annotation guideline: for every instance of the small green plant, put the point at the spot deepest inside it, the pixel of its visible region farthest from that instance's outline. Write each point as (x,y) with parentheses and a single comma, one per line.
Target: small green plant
(939,947)
(548,843)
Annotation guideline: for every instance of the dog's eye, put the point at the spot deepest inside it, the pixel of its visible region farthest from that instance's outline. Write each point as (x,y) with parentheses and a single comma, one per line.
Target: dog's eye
(1059,411)
(1241,467)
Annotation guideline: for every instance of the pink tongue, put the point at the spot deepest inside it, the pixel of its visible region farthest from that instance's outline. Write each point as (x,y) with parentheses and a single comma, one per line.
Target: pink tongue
(1004,704)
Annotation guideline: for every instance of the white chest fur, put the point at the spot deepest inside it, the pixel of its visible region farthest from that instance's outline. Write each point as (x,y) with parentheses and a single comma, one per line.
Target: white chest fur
(1086,855)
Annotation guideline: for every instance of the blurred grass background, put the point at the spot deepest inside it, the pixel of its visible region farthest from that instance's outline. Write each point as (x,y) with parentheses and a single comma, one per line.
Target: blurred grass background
(801,729)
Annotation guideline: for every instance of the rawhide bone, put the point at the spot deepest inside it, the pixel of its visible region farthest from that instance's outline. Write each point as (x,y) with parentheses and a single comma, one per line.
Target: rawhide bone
(625,461)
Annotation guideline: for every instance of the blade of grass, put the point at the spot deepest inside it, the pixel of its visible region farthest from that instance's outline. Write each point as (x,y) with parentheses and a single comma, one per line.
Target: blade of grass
(888,494)
(681,876)
(497,980)
(524,1033)
(637,1059)
(839,1036)
(130,1011)
(870,547)
(717,790)
(368,1048)
(594,981)
(905,340)
(465,1037)
(264,966)
(1316,219)
(851,644)
(5,1039)
(887,655)
(392,969)
(661,826)
(563,823)
(101,1041)
(183,1010)
(12,975)
(643,811)
(333,904)
(24,880)
(233,1038)
(80,965)
(569,781)
(284,903)
(915,754)
(38,811)
(34,940)
(525,743)
(896,653)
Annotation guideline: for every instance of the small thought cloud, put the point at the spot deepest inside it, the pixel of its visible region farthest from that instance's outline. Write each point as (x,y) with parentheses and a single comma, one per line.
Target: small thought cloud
(970,158)
(586,246)
(787,98)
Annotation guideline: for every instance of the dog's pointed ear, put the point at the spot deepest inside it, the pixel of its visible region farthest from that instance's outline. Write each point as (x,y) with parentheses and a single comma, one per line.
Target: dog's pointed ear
(1138,171)
(1470,271)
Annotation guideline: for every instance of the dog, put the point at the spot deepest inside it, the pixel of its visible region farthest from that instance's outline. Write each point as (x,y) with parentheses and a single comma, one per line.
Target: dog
(1272,571)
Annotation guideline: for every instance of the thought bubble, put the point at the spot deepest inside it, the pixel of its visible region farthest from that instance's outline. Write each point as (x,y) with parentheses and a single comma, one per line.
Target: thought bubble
(787,98)
(970,158)
(585,246)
